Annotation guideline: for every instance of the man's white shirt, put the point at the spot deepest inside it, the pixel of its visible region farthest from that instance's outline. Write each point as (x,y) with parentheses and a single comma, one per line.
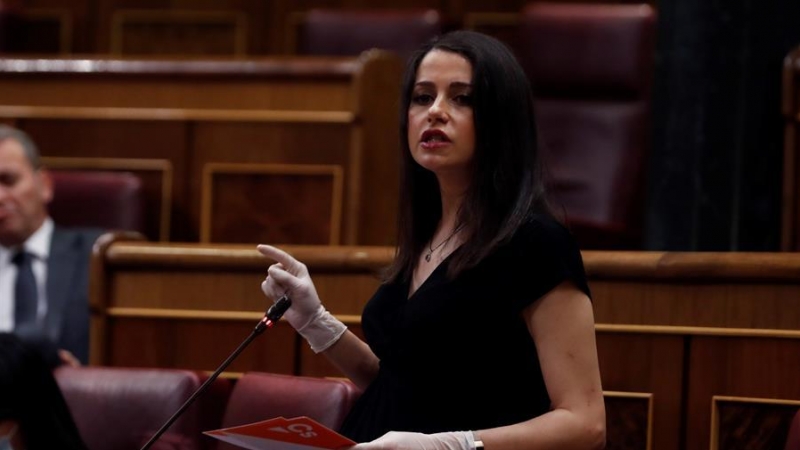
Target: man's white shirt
(39,246)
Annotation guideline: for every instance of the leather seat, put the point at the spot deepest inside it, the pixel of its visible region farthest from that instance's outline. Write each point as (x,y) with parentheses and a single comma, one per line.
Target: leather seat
(591,65)
(121,408)
(260,396)
(102,199)
(338,32)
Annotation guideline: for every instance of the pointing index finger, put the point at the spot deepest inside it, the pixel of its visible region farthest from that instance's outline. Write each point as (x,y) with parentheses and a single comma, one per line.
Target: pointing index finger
(278,255)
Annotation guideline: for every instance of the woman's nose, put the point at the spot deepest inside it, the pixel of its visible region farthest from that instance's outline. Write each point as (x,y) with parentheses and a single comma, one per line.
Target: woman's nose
(437,110)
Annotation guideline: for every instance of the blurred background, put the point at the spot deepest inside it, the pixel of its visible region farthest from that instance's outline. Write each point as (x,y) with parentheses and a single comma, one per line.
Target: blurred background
(713,163)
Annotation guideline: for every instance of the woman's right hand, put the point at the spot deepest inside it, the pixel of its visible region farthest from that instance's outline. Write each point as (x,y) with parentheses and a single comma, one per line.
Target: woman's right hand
(290,277)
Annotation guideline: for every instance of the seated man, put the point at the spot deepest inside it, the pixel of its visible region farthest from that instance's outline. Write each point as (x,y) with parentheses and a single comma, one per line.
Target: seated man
(43,268)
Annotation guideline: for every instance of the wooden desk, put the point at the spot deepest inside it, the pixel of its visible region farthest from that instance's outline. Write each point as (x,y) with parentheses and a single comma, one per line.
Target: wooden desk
(301,147)
(701,332)
(189,305)
(697,350)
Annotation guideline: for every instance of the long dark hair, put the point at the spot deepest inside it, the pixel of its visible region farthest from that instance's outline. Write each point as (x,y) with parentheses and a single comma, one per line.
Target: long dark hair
(31,397)
(507,184)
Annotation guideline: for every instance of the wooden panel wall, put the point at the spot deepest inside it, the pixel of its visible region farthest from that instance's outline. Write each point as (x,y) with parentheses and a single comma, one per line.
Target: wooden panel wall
(178,33)
(678,334)
(277,111)
(308,199)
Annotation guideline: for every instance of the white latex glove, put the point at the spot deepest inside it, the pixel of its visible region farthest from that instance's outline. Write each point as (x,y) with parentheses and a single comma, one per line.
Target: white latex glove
(402,440)
(306,315)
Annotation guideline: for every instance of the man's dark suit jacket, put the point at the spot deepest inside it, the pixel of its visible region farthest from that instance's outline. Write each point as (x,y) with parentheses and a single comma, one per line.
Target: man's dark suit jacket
(67,322)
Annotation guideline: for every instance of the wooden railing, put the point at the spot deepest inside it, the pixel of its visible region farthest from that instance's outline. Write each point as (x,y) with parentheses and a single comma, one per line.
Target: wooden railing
(322,131)
(694,347)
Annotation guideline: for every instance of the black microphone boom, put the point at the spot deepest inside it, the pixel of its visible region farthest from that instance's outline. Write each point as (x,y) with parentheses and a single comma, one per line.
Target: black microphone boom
(274,313)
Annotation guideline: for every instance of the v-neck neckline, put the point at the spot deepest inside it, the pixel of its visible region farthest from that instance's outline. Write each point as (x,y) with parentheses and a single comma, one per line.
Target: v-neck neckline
(442,264)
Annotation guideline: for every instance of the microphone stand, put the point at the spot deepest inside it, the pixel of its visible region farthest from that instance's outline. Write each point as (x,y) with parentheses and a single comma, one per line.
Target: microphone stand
(273,314)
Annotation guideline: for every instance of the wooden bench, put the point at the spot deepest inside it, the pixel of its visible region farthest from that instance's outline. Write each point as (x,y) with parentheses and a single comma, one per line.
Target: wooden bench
(320,135)
(714,337)
(695,348)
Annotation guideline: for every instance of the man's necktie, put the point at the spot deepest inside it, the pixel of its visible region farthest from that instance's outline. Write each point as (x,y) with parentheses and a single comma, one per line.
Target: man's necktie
(26,298)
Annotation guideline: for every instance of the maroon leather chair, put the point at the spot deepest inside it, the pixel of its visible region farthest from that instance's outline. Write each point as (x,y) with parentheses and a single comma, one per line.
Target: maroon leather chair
(108,200)
(260,396)
(591,65)
(338,32)
(793,442)
(121,408)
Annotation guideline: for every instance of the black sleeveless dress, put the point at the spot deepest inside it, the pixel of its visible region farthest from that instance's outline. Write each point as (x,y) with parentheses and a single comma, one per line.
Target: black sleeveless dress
(457,354)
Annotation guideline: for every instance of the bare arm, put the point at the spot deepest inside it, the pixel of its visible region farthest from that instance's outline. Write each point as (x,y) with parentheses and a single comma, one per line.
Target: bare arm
(562,326)
(354,359)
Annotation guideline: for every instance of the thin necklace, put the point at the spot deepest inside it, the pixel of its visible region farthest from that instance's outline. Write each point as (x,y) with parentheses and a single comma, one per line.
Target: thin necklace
(433,249)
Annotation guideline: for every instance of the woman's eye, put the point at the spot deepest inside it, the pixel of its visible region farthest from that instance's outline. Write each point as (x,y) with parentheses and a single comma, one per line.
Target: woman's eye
(421,99)
(463,99)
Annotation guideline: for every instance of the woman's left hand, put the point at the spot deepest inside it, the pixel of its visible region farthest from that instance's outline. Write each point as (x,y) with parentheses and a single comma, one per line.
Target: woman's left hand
(402,440)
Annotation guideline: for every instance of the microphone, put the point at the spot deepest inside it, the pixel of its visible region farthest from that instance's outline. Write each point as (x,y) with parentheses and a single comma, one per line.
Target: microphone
(273,314)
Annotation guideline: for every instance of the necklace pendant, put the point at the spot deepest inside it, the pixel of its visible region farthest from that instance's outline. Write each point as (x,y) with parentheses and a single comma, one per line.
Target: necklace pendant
(428,257)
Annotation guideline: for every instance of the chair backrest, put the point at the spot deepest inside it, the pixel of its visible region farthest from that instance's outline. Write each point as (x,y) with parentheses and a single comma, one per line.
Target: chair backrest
(591,65)
(260,396)
(102,199)
(338,32)
(121,408)
(793,442)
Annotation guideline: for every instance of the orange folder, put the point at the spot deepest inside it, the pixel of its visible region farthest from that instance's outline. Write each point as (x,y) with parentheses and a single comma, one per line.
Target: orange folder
(299,433)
